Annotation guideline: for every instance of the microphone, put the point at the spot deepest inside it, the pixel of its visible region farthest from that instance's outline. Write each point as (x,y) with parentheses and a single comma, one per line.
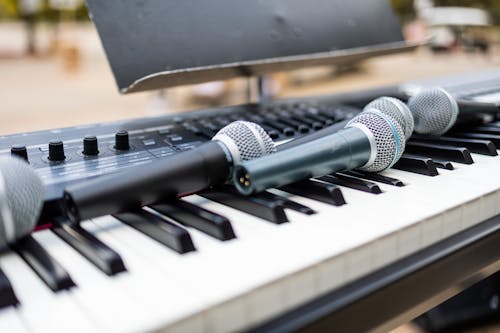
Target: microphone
(371,141)
(21,199)
(389,106)
(435,111)
(396,109)
(184,173)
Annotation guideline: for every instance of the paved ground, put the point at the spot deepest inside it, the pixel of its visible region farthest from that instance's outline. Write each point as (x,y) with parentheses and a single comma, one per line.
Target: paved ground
(47,92)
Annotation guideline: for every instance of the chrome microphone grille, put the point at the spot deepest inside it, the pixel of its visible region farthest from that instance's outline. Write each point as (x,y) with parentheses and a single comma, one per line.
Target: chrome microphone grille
(245,140)
(21,198)
(396,109)
(435,111)
(388,138)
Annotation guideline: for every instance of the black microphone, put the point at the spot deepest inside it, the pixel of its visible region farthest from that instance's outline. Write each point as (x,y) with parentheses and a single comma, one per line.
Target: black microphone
(371,141)
(184,173)
(21,199)
(435,111)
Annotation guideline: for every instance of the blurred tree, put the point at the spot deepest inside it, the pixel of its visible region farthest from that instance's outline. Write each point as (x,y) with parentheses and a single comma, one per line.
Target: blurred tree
(405,7)
(8,9)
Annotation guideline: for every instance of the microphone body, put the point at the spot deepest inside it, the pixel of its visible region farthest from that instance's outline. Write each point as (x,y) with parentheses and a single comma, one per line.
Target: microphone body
(187,172)
(347,149)
(181,174)
(371,141)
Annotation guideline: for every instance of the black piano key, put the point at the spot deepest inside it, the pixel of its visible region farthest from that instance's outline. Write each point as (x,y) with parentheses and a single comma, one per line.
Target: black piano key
(375,177)
(159,229)
(287,203)
(443,164)
(416,164)
(43,264)
(441,152)
(495,130)
(481,136)
(315,190)
(484,147)
(197,217)
(272,211)
(352,182)
(7,295)
(95,251)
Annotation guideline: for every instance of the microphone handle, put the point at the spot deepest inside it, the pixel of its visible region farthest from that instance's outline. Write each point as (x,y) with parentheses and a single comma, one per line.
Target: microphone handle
(183,173)
(469,110)
(347,149)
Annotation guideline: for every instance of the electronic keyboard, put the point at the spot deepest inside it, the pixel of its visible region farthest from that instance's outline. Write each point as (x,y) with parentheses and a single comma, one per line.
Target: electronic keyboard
(217,261)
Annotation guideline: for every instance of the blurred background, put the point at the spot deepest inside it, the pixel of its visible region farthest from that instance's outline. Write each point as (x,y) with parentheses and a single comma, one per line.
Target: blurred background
(54,73)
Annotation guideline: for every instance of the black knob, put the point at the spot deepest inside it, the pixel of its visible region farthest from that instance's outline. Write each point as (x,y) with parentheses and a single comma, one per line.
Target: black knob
(90,146)
(121,141)
(19,151)
(56,151)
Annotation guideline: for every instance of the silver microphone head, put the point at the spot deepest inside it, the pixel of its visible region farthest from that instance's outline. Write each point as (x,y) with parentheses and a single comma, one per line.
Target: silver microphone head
(245,141)
(386,137)
(396,109)
(21,198)
(435,111)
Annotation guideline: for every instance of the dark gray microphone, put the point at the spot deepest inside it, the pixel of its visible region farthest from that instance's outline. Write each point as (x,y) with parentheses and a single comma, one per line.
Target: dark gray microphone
(21,199)
(435,111)
(371,141)
(181,174)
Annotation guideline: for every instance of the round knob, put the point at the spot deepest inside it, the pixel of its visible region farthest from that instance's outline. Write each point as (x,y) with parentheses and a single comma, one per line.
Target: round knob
(19,151)
(90,147)
(121,141)
(56,151)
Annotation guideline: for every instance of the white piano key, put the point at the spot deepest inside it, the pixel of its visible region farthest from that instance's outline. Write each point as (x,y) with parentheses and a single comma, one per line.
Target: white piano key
(11,322)
(161,290)
(103,298)
(42,309)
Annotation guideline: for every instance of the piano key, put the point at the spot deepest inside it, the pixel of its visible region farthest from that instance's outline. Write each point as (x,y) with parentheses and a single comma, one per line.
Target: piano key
(486,129)
(10,321)
(159,286)
(480,136)
(416,164)
(443,164)
(326,193)
(375,177)
(48,269)
(98,253)
(7,295)
(443,152)
(159,229)
(485,147)
(40,308)
(351,182)
(287,203)
(197,217)
(272,211)
(109,302)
